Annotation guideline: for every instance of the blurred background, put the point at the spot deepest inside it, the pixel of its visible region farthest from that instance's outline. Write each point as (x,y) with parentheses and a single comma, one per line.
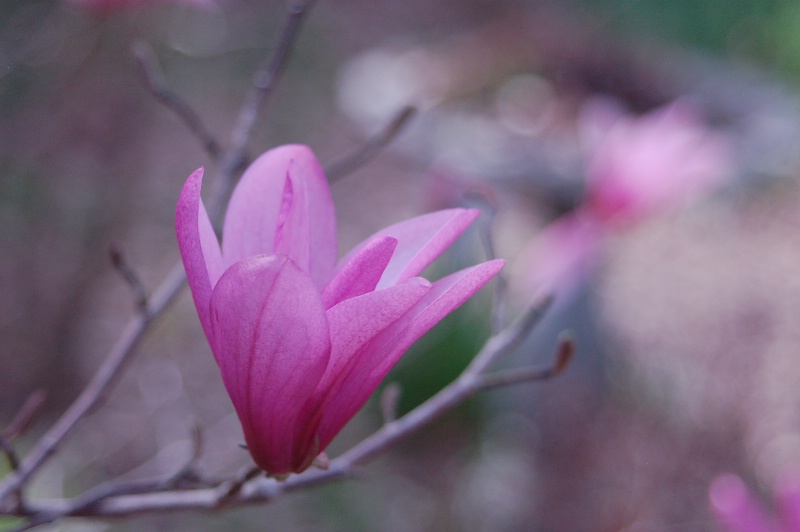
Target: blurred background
(685,319)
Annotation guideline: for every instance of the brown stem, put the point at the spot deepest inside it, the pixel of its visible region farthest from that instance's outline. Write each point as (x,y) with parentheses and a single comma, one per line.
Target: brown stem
(367,151)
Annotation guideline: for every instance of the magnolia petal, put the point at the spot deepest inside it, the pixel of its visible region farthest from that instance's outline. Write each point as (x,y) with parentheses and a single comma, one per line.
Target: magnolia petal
(787,493)
(353,323)
(373,361)
(420,241)
(198,246)
(362,273)
(735,508)
(271,340)
(259,201)
(356,321)
(306,227)
(563,255)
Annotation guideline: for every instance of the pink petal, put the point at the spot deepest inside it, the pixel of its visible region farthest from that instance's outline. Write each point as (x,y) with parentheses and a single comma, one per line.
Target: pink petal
(306,227)
(198,246)
(788,495)
(640,166)
(358,320)
(563,255)
(362,273)
(734,508)
(353,323)
(373,361)
(261,198)
(420,241)
(270,337)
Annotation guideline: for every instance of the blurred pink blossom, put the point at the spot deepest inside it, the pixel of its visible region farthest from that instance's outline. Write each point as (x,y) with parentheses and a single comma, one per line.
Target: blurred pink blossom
(641,166)
(736,510)
(636,167)
(301,340)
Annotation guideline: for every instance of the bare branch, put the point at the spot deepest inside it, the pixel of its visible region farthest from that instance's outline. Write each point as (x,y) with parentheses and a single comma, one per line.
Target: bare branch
(197,450)
(130,276)
(509,339)
(246,489)
(372,147)
(500,303)
(89,499)
(229,490)
(564,355)
(266,78)
(98,386)
(11,454)
(26,413)
(264,82)
(154,79)
(389,400)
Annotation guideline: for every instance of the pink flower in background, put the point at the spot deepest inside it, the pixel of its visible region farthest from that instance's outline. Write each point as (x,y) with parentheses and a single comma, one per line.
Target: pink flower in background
(636,167)
(641,166)
(563,254)
(302,340)
(736,510)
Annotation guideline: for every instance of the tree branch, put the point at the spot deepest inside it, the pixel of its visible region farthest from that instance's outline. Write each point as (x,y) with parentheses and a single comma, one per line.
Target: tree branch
(351,162)
(130,276)
(264,82)
(25,414)
(98,386)
(154,79)
(247,489)
(508,339)
(564,355)
(500,296)
(11,454)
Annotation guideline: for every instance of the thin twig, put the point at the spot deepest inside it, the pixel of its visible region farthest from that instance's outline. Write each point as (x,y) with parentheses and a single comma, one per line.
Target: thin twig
(500,302)
(266,77)
(98,386)
(84,502)
(130,276)
(264,82)
(197,450)
(564,355)
(509,339)
(25,414)
(229,490)
(466,385)
(246,490)
(390,397)
(351,162)
(154,79)
(11,454)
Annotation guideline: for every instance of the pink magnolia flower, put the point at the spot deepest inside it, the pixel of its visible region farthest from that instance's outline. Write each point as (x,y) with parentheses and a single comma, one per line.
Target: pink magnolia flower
(302,340)
(636,167)
(736,510)
(641,166)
